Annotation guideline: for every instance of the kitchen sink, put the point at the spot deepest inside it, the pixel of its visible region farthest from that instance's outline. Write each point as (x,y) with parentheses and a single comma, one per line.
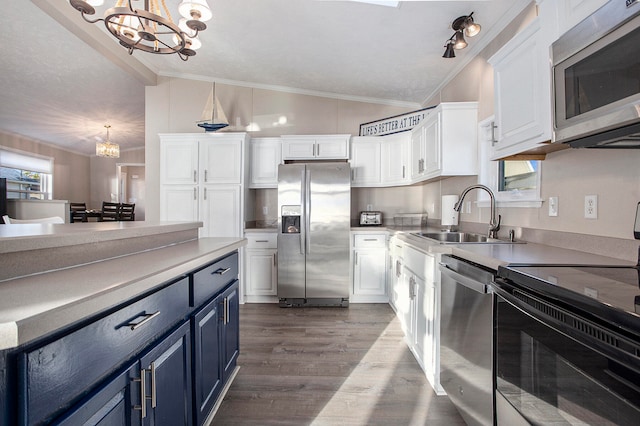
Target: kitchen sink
(459,238)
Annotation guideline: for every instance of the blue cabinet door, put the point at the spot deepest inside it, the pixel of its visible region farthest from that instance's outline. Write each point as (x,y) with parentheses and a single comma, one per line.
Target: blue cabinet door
(110,405)
(167,367)
(207,335)
(230,330)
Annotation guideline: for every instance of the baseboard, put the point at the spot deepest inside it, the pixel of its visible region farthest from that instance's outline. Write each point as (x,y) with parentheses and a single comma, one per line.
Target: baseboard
(214,410)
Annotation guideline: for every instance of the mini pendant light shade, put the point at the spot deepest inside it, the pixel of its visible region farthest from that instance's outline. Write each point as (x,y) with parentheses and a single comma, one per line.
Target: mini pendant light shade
(106,148)
(463,25)
(459,41)
(449,51)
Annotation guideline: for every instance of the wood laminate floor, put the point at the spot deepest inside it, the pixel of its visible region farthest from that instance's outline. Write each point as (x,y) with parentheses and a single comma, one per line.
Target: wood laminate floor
(329,366)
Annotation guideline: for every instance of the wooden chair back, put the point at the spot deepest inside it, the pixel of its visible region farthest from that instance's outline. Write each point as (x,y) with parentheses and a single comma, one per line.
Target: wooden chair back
(77,212)
(127,211)
(110,211)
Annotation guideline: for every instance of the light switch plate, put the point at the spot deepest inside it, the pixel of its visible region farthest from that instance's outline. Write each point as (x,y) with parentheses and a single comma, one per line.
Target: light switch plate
(553,206)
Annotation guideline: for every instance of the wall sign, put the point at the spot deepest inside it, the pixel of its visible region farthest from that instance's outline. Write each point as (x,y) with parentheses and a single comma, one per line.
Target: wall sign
(395,124)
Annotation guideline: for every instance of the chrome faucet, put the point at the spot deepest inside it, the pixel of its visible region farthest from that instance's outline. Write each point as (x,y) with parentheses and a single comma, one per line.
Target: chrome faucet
(494,225)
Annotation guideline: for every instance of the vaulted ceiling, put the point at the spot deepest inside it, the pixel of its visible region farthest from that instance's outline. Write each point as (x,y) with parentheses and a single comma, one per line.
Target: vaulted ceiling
(62,79)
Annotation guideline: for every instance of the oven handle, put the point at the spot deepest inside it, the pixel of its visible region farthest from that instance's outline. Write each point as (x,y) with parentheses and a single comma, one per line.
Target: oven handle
(466,281)
(596,337)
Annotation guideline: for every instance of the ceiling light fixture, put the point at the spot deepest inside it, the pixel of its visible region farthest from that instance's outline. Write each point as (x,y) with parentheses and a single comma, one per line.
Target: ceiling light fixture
(106,148)
(463,25)
(152,29)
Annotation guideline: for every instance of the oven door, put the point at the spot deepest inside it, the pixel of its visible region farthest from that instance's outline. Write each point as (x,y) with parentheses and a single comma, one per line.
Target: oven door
(546,373)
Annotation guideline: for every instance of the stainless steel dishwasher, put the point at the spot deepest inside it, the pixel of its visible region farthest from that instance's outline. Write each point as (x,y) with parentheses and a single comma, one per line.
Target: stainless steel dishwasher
(466,332)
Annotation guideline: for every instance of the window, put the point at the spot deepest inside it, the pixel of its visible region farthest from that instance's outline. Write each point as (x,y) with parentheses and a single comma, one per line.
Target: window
(515,183)
(29,177)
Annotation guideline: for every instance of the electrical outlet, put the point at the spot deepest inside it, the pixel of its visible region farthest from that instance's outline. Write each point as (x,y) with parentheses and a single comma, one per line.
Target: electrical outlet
(265,210)
(590,206)
(553,206)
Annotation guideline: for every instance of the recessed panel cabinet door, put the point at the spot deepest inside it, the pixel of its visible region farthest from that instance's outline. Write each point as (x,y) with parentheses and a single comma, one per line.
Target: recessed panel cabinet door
(221,211)
(206,326)
(168,380)
(221,161)
(230,330)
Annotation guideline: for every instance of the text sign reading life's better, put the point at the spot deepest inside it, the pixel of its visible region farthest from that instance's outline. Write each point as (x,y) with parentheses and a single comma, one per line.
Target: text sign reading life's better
(395,124)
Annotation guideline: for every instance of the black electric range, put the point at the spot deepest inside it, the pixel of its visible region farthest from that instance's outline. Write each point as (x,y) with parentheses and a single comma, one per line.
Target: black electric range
(607,293)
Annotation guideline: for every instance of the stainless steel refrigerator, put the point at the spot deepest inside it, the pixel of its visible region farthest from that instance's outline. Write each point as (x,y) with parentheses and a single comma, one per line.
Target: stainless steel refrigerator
(314,215)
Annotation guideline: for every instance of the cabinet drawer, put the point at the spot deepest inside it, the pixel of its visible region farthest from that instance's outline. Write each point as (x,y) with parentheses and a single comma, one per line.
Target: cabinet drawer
(64,369)
(262,240)
(369,240)
(213,278)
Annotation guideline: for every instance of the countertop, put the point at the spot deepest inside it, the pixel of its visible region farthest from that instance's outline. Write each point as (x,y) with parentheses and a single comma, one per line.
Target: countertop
(33,306)
(501,254)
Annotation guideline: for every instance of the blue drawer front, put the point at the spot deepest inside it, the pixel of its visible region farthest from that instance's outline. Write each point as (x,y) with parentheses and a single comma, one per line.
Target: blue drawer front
(74,363)
(211,280)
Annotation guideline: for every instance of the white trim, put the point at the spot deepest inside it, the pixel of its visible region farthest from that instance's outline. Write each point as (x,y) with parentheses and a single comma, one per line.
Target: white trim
(285,89)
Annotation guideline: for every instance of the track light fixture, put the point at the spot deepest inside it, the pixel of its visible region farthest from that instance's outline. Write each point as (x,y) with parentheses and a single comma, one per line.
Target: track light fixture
(463,25)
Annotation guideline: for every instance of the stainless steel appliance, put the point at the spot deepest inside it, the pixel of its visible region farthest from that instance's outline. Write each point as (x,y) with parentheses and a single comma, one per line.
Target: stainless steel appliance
(370,218)
(466,339)
(596,78)
(314,205)
(567,345)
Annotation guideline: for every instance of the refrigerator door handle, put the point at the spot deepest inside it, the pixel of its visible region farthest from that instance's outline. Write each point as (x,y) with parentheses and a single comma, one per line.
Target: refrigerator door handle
(307,212)
(303,196)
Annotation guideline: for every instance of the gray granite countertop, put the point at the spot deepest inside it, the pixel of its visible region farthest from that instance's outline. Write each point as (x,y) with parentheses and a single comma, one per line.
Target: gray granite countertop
(33,306)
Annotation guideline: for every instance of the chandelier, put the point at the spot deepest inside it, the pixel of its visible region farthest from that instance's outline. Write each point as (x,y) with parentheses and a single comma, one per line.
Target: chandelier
(106,148)
(464,25)
(152,29)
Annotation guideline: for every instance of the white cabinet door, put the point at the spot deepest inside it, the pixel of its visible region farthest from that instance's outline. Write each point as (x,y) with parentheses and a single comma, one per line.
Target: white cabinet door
(369,277)
(179,203)
(572,12)
(261,273)
(298,149)
(433,144)
(221,160)
(332,148)
(266,155)
(221,211)
(365,161)
(417,154)
(522,92)
(395,159)
(178,161)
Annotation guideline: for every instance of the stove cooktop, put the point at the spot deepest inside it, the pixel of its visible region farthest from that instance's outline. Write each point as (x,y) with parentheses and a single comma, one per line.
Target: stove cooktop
(610,293)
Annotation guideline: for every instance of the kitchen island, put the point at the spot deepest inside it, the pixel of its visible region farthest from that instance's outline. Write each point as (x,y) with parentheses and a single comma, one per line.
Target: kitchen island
(127,303)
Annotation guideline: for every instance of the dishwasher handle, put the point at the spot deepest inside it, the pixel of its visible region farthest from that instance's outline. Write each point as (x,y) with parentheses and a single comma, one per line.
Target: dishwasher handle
(466,281)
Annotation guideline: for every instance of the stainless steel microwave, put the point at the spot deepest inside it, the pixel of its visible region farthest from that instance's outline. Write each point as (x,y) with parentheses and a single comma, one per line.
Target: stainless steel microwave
(596,79)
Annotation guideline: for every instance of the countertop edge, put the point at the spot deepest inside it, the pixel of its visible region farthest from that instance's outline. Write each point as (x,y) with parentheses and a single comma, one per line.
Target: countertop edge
(29,328)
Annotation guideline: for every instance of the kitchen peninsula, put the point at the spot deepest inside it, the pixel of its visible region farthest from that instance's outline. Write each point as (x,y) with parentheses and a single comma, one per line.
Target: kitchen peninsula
(86,309)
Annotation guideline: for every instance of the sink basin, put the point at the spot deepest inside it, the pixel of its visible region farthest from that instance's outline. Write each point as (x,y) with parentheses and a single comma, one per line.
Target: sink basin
(459,238)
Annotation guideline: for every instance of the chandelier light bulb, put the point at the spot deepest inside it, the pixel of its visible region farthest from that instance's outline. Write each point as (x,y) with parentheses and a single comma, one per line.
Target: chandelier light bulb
(195,9)
(459,42)
(471,28)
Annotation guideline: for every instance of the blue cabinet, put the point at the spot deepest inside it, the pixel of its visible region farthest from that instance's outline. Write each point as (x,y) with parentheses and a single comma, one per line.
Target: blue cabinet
(160,359)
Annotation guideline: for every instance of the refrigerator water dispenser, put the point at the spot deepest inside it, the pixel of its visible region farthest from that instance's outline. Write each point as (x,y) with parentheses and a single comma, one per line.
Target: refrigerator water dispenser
(291,219)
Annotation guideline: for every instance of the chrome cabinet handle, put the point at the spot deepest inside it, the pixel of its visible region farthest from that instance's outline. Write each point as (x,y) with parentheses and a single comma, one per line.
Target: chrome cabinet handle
(356,260)
(195,193)
(205,175)
(143,396)
(153,385)
(318,150)
(371,239)
(195,176)
(262,241)
(402,172)
(146,319)
(221,271)
(225,313)
(275,259)
(205,193)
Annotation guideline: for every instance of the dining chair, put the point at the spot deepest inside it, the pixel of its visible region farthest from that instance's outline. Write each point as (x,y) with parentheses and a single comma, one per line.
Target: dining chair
(77,212)
(53,219)
(127,212)
(110,212)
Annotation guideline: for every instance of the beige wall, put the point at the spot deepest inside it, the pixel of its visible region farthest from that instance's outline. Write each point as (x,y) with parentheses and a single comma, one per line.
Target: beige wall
(174,106)
(104,181)
(71,174)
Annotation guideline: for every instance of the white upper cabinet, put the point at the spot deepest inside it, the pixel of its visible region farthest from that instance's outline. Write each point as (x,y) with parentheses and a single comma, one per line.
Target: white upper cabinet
(445,142)
(522,86)
(310,147)
(179,162)
(572,12)
(395,159)
(365,161)
(266,155)
(221,160)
